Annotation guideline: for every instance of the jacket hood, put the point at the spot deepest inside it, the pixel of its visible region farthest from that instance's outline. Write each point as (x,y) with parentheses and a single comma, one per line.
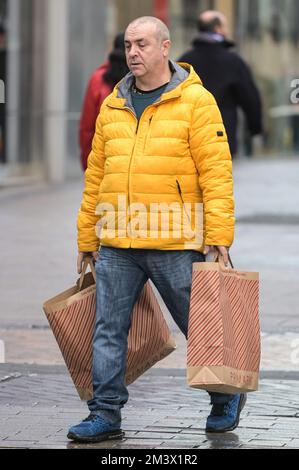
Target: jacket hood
(183,75)
(203,39)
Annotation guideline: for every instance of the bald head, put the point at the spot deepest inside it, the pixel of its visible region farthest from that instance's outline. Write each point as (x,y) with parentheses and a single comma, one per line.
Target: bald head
(159,28)
(212,21)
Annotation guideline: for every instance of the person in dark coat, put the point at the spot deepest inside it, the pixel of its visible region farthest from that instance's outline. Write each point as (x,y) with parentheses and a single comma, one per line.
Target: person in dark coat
(225,75)
(100,85)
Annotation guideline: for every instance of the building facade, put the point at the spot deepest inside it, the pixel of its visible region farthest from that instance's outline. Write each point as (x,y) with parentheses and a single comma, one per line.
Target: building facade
(48,48)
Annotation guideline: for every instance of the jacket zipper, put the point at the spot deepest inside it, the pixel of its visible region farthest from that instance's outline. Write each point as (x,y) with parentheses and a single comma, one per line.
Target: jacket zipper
(132,153)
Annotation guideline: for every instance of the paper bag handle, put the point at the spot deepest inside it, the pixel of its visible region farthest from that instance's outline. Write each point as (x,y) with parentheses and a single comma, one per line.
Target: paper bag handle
(88,261)
(219,259)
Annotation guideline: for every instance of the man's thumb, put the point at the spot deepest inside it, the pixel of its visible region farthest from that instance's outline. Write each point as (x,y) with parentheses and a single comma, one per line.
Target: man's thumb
(206,250)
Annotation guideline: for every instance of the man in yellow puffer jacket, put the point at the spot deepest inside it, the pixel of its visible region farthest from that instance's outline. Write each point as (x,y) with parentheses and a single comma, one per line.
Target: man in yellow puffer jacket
(158,196)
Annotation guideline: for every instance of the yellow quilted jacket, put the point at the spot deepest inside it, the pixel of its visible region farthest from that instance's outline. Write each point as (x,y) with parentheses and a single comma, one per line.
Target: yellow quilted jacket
(164,183)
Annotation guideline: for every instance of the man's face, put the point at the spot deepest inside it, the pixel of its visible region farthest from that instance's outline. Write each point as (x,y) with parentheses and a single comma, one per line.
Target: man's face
(145,52)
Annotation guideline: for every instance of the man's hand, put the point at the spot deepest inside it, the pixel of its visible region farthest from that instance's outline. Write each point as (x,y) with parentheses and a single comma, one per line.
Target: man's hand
(82,255)
(222,250)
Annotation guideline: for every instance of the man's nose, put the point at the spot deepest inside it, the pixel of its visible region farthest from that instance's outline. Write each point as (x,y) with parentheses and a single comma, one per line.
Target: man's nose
(132,52)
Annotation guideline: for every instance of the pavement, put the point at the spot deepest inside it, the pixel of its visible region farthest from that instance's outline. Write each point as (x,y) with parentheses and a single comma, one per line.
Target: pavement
(39,403)
(37,399)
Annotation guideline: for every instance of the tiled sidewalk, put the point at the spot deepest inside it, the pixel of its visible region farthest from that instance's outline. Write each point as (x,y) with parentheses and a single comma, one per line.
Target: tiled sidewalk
(39,403)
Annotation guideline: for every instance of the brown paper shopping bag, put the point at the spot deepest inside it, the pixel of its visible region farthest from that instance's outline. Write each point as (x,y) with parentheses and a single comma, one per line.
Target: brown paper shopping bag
(71,316)
(223,352)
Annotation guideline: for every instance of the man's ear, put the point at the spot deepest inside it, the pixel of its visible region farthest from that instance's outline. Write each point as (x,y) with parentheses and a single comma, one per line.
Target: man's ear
(166,45)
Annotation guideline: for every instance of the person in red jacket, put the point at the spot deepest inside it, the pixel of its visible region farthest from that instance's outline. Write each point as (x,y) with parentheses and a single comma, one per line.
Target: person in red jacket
(100,85)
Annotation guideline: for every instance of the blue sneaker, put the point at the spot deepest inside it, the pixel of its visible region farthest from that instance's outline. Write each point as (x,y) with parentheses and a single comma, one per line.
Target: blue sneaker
(224,418)
(95,429)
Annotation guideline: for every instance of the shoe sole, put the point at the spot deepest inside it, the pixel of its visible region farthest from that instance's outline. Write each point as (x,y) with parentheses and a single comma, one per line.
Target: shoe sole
(115,435)
(236,424)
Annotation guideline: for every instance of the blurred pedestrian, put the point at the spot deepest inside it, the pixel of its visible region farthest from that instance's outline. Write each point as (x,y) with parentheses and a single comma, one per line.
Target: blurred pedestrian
(159,143)
(100,85)
(225,75)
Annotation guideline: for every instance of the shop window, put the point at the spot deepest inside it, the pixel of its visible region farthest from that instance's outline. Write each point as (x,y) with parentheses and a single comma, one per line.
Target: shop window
(3,43)
(276,26)
(293,20)
(253,20)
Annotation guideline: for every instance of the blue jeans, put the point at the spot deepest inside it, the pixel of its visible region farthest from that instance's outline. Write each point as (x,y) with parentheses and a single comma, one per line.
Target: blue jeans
(121,275)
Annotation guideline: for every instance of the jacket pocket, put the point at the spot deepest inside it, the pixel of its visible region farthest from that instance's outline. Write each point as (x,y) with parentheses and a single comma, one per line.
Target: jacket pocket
(148,135)
(182,200)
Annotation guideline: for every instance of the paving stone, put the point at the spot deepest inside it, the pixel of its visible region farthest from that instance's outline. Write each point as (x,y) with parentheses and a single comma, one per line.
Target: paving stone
(163,429)
(147,442)
(270,441)
(247,446)
(153,435)
(294,444)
